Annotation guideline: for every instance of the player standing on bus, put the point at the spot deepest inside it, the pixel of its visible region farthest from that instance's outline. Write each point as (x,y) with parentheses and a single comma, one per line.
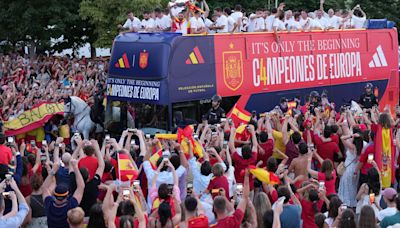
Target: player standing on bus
(368,99)
(216,112)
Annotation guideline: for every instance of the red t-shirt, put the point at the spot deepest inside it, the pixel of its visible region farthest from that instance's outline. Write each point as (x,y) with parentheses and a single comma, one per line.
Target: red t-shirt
(232,221)
(273,196)
(329,184)
(268,146)
(135,221)
(364,159)
(217,183)
(308,213)
(198,222)
(79,77)
(90,163)
(242,164)
(335,138)
(5,155)
(291,151)
(305,135)
(326,150)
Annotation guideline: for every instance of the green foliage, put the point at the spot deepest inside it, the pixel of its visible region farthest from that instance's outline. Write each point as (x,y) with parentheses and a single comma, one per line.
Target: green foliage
(75,31)
(381,9)
(105,15)
(26,21)
(34,22)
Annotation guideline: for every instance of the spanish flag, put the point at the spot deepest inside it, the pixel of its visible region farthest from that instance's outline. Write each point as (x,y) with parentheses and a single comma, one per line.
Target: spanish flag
(264,175)
(193,8)
(154,158)
(291,106)
(127,171)
(238,113)
(241,129)
(385,154)
(187,133)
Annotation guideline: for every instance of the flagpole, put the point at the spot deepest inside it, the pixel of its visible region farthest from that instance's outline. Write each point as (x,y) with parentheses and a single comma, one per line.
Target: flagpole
(119,170)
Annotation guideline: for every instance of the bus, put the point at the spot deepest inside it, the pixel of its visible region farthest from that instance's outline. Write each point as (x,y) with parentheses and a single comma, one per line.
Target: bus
(161,73)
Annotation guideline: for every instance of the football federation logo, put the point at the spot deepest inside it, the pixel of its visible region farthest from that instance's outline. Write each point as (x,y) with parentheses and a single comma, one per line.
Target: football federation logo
(143,59)
(232,63)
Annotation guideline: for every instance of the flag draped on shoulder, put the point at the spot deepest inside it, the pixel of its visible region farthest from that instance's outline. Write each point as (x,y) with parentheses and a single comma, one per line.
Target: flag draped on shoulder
(385,154)
(127,171)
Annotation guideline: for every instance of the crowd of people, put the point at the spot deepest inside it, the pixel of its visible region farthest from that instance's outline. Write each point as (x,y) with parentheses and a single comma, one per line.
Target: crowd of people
(319,167)
(26,81)
(188,18)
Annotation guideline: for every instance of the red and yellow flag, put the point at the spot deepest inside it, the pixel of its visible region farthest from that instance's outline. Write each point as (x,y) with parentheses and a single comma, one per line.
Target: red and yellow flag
(186,133)
(385,154)
(238,113)
(32,119)
(264,175)
(154,158)
(127,171)
(193,7)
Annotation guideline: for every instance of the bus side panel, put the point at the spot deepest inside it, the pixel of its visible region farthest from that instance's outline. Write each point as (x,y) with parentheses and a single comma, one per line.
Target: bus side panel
(256,63)
(192,69)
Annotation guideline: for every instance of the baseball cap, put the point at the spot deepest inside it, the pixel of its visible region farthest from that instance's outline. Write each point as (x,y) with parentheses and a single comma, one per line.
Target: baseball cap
(389,193)
(61,191)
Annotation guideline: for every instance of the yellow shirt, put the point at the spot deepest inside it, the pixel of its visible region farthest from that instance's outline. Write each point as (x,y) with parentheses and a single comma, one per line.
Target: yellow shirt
(279,144)
(38,133)
(64,131)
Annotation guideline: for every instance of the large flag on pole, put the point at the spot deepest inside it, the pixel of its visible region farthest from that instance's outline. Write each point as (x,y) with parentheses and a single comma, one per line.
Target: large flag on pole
(238,113)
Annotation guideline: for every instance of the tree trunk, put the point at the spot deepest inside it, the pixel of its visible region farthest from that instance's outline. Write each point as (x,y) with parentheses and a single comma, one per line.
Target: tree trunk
(92,51)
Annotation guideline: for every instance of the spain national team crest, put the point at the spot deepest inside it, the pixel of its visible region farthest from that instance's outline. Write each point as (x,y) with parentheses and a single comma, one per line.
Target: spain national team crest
(143,59)
(233,69)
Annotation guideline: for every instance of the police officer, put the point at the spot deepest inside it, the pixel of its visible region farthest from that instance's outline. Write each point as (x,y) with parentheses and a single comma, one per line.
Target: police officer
(283,104)
(315,101)
(368,99)
(216,112)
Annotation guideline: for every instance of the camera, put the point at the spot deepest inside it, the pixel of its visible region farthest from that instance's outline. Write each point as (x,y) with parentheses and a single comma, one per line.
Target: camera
(132,130)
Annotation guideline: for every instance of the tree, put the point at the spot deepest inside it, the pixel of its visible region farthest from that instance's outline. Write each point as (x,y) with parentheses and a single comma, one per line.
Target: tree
(27,22)
(105,15)
(75,31)
(34,23)
(381,9)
